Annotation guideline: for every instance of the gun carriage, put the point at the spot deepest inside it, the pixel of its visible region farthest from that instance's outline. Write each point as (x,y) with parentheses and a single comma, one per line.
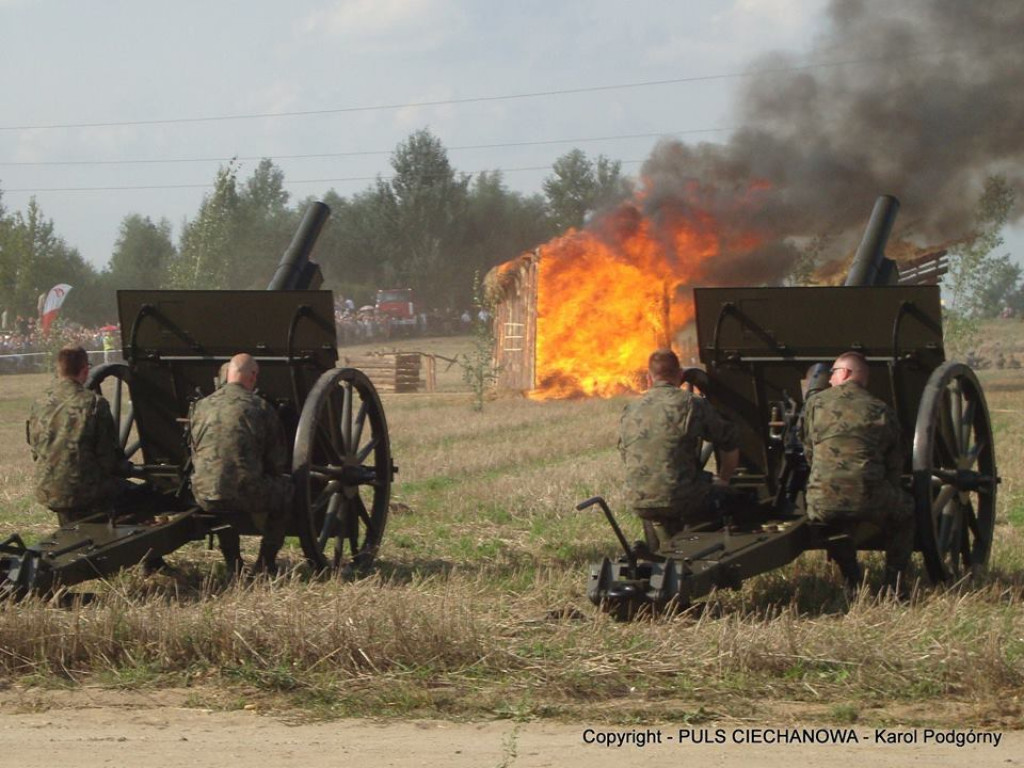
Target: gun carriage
(765,350)
(174,344)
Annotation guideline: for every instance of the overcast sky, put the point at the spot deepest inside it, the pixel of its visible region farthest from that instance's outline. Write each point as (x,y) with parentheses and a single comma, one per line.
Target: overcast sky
(177,88)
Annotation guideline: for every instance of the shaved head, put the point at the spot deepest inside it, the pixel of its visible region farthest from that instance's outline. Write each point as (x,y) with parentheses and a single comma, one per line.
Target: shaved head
(850,366)
(243,369)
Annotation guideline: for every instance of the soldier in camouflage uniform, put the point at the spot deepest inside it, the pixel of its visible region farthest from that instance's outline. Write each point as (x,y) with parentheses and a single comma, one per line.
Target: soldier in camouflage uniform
(658,440)
(239,460)
(74,443)
(852,441)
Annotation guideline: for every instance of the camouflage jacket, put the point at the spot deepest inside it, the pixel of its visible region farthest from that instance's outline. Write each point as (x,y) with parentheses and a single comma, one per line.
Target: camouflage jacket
(658,439)
(236,441)
(852,442)
(74,445)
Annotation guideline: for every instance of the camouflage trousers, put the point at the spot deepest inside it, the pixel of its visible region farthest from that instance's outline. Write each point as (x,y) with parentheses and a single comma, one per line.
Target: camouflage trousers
(662,524)
(125,497)
(268,504)
(892,522)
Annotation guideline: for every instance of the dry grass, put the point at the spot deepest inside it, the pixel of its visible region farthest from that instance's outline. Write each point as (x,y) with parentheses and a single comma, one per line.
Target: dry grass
(454,645)
(477,608)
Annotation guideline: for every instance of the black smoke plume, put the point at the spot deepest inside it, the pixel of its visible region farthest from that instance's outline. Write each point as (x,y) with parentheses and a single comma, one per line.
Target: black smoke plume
(923,99)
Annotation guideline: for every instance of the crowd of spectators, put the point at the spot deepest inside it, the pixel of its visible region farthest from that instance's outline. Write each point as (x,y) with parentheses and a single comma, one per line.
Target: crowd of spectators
(357,325)
(25,349)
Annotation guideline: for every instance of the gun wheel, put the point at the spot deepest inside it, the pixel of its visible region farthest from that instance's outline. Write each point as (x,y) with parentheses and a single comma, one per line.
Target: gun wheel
(113,381)
(955,475)
(697,381)
(342,471)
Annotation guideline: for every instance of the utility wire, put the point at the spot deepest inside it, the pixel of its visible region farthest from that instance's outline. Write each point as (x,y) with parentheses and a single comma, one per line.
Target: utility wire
(367,153)
(475,99)
(286,182)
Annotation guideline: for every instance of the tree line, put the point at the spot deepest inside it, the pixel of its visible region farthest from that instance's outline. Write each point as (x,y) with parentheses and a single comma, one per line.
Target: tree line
(428,227)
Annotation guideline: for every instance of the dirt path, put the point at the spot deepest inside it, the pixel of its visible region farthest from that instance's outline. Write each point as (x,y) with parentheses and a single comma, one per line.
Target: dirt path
(140,732)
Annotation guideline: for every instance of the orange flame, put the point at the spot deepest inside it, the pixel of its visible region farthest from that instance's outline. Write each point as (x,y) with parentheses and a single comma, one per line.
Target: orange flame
(609,295)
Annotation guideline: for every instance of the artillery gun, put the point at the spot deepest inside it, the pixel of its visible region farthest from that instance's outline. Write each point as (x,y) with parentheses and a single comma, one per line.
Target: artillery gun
(757,345)
(174,343)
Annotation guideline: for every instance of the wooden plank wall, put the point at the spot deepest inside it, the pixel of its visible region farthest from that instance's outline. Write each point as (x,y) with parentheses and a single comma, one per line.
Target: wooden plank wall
(389,371)
(516,331)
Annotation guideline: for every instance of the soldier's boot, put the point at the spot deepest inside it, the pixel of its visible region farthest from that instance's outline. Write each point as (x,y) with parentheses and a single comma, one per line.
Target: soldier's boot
(230,545)
(661,537)
(843,553)
(853,574)
(266,562)
(153,563)
(898,553)
(650,542)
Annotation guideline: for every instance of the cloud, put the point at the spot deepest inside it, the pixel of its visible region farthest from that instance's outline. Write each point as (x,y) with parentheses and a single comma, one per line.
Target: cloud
(387,25)
(724,36)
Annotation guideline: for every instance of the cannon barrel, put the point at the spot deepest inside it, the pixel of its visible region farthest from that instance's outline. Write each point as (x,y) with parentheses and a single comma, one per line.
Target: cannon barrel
(295,271)
(870,267)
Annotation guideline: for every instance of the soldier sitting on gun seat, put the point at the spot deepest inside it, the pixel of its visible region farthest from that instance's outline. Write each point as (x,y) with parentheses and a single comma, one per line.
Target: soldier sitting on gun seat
(80,469)
(852,442)
(238,462)
(658,439)
(78,460)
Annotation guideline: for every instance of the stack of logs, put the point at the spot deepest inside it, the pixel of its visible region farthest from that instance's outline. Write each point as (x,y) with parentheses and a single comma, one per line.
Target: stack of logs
(389,371)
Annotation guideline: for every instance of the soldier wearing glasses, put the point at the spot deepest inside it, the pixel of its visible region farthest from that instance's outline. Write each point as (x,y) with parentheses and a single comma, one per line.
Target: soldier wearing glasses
(852,441)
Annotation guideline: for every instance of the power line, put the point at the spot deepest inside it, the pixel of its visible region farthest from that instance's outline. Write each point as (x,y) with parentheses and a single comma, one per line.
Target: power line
(286,182)
(366,153)
(474,99)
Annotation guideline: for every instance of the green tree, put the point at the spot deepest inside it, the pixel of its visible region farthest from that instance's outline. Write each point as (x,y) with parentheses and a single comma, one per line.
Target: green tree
(579,187)
(479,369)
(35,259)
(997,285)
(8,265)
(141,254)
(207,256)
(500,225)
(571,190)
(264,226)
(352,249)
(1015,300)
(612,186)
(423,207)
(970,263)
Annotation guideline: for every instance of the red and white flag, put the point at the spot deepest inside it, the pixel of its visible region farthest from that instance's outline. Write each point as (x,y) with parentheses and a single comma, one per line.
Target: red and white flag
(54,301)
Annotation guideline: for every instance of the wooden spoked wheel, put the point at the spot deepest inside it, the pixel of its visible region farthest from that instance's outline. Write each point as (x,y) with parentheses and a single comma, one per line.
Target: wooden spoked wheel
(696,380)
(342,471)
(113,381)
(955,474)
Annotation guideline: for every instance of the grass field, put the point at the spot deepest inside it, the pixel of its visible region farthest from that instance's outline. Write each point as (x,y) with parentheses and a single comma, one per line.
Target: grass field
(477,607)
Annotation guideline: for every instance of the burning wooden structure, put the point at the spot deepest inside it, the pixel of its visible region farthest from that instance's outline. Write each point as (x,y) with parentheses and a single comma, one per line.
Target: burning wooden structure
(512,290)
(618,311)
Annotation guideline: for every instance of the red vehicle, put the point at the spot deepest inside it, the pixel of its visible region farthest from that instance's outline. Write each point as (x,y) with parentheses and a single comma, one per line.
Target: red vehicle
(397,306)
